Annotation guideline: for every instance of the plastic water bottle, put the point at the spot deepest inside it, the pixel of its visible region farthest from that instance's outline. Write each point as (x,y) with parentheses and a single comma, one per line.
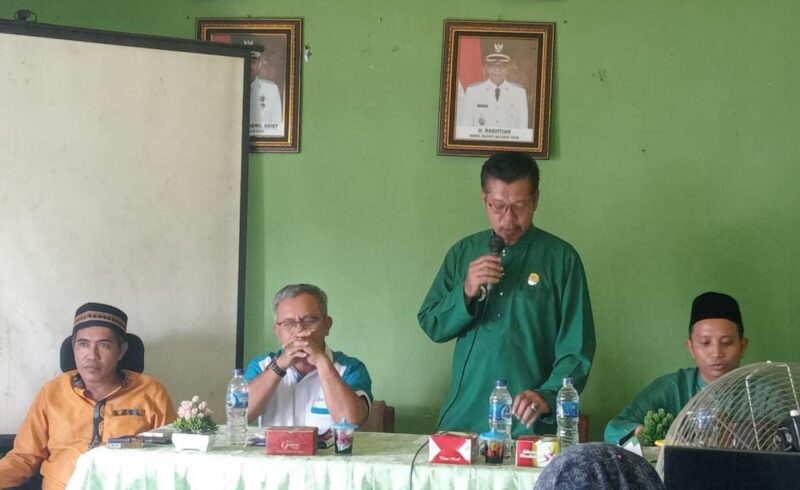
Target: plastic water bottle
(704,427)
(238,395)
(567,412)
(500,404)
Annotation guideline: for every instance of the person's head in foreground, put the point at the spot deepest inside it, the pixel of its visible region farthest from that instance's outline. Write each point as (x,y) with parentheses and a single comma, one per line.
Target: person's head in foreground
(598,466)
(716,335)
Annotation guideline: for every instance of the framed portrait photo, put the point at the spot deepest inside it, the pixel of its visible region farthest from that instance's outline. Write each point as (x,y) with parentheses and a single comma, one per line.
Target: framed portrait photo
(496,88)
(274,72)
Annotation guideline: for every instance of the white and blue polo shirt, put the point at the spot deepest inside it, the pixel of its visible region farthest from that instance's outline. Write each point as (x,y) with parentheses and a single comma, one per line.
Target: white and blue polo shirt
(299,400)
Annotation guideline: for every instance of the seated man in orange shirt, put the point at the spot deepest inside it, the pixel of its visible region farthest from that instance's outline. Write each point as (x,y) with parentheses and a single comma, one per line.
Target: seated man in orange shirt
(81,409)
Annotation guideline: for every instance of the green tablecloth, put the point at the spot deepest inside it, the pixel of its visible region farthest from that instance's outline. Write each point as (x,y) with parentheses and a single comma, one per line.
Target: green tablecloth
(379,461)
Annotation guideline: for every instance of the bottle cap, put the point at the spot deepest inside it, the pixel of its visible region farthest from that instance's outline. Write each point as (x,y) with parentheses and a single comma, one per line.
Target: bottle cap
(501,382)
(344,424)
(567,381)
(493,435)
(237,372)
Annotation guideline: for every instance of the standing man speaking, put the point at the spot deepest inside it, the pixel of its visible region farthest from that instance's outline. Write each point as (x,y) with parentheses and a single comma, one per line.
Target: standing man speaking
(519,310)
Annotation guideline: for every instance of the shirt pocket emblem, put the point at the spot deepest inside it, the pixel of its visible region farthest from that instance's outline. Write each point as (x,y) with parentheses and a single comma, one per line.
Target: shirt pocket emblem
(319,407)
(127,411)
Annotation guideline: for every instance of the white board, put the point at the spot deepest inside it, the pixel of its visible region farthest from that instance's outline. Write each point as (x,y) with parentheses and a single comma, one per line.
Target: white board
(121,181)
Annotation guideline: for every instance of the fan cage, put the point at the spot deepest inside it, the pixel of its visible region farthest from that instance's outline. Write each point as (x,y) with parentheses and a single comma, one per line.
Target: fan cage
(741,410)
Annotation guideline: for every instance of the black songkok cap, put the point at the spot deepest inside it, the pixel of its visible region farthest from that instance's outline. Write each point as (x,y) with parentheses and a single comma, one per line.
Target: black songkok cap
(100,315)
(715,305)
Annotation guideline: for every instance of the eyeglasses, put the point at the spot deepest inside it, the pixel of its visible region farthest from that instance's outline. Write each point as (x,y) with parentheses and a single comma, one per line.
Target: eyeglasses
(305,323)
(500,208)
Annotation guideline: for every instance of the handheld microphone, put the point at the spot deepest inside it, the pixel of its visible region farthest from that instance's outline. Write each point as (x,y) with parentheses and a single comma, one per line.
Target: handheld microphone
(496,246)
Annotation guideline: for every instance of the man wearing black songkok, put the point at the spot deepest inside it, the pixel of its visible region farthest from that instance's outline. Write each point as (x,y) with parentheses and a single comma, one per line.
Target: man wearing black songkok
(717,344)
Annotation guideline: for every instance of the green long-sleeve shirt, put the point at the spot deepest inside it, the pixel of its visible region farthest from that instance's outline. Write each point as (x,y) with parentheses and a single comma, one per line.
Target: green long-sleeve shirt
(670,392)
(531,335)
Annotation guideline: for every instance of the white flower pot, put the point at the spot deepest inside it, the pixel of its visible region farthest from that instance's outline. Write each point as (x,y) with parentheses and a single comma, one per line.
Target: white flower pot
(650,453)
(196,442)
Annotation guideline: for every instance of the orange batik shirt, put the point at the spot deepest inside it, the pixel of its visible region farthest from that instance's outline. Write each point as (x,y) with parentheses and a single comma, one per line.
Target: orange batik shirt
(63,423)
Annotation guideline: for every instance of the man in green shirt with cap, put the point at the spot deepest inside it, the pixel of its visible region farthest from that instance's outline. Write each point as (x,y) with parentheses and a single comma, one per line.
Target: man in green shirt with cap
(717,344)
(519,310)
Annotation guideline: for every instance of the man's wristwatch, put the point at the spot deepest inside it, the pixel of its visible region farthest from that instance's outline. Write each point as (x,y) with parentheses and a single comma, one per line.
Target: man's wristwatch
(273,365)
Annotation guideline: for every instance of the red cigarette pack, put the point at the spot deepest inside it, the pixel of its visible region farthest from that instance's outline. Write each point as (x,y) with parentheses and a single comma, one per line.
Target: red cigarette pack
(453,448)
(526,450)
(291,440)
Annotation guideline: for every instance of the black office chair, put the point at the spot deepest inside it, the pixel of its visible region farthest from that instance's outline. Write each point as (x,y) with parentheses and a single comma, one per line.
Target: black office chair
(133,360)
(6,443)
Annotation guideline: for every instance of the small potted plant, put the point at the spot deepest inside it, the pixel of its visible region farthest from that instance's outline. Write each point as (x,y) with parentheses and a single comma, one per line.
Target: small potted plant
(195,426)
(656,425)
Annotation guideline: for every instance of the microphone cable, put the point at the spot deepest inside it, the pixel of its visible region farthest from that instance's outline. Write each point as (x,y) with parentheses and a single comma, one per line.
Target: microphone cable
(455,396)
(413,461)
(466,359)
(496,246)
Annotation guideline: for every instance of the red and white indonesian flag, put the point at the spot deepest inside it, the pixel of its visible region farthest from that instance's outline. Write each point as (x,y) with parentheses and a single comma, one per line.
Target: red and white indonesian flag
(470,68)
(219,37)
(470,64)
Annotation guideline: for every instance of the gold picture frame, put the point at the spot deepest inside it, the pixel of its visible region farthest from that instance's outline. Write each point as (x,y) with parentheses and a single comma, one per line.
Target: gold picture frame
(275,76)
(496,87)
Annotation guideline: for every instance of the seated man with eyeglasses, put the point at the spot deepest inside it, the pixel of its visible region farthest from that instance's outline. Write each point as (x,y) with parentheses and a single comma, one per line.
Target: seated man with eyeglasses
(305,382)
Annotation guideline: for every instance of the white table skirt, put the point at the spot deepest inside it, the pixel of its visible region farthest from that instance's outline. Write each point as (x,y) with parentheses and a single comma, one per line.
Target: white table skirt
(379,461)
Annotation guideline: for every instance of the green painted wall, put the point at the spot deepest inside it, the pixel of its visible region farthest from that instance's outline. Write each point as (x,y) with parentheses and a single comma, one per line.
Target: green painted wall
(674,171)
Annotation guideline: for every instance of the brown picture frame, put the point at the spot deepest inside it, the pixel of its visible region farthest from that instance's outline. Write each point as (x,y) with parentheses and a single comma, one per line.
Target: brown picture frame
(276,75)
(496,87)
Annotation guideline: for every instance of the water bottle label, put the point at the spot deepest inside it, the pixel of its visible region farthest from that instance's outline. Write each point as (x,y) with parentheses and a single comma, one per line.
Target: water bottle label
(567,409)
(237,399)
(499,411)
(703,418)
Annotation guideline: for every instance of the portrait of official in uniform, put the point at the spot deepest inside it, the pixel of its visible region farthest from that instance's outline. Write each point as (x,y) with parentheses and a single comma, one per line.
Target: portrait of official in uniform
(266,87)
(500,99)
(496,87)
(274,76)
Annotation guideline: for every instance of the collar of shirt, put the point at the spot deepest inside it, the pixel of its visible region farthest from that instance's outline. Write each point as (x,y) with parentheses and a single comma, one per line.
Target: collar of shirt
(78,384)
(699,382)
(525,239)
